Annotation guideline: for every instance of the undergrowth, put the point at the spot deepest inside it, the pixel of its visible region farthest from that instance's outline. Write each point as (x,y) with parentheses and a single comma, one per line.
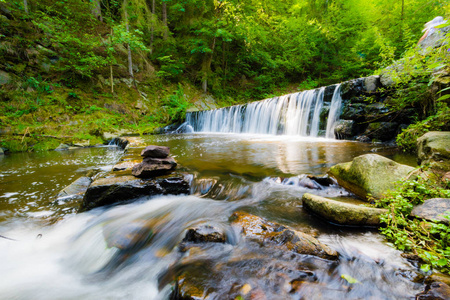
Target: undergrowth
(428,240)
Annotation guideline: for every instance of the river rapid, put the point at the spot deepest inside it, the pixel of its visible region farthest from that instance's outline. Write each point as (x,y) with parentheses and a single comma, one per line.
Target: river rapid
(48,251)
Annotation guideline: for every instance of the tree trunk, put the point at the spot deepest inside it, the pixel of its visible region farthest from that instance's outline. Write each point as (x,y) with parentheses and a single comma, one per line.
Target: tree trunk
(111,78)
(207,67)
(97,10)
(164,19)
(127,26)
(25,6)
(153,26)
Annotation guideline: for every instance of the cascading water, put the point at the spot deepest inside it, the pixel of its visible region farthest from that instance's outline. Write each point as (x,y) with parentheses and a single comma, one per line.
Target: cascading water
(335,112)
(294,114)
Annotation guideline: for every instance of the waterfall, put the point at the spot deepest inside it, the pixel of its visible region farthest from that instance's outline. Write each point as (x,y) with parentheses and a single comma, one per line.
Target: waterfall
(294,114)
(335,112)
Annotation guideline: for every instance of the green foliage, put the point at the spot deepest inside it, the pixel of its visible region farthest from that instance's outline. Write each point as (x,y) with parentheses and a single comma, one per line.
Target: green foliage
(429,240)
(406,140)
(175,105)
(170,68)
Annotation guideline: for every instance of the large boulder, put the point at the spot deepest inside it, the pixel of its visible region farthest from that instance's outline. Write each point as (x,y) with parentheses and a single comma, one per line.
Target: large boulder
(254,227)
(342,213)
(433,148)
(369,174)
(433,210)
(112,190)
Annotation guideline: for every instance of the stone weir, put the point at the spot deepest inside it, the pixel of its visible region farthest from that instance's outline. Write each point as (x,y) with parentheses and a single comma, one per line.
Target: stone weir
(354,110)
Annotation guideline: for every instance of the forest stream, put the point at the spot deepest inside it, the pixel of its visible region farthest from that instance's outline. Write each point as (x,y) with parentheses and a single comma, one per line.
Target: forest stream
(49,251)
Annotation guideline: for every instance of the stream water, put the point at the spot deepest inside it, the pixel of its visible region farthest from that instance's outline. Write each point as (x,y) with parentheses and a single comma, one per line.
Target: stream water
(51,252)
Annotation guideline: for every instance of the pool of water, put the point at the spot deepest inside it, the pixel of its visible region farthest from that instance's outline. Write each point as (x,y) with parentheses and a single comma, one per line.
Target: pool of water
(54,253)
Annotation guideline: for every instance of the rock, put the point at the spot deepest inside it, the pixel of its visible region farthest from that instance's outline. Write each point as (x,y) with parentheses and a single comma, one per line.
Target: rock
(435,291)
(107,191)
(433,210)
(369,174)
(62,147)
(5,78)
(82,144)
(438,277)
(152,167)
(76,189)
(125,165)
(353,111)
(155,151)
(1,151)
(433,148)
(204,234)
(382,131)
(352,88)
(129,235)
(342,213)
(269,233)
(371,83)
(344,129)
(119,142)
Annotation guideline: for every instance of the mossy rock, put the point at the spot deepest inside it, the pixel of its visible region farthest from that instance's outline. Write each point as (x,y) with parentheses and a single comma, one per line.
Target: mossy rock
(369,174)
(342,213)
(434,149)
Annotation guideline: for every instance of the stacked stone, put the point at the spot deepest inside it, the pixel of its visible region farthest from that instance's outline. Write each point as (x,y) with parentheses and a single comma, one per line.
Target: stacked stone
(156,162)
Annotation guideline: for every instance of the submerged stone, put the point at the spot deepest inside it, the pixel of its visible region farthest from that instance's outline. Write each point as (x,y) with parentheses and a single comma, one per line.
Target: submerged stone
(369,174)
(106,191)
(129,235)
(273,234)
(204,234)
(76,189)
(342,213)
(433,210)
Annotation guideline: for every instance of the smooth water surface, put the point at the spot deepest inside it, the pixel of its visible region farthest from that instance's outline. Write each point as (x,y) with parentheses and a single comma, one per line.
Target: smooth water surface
(131,251)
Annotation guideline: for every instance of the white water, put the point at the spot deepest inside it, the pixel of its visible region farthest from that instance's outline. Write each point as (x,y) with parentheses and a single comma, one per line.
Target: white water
(335,112)
(295,114)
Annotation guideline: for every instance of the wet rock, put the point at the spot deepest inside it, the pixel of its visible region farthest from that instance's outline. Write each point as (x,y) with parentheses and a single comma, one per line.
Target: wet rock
(435,291)
(155,152)
(369,174)
(342,213)
(344,129)
(352,88)
(382,131)
(118,141)
(76,189)
(1,151)
(322,180)
(152,167)
(62,147)
(125,165)
(274,234)
(371,83)
(433,148)
(106,191)
(353,111)
(375,111)
(438,277)
(129,235)
(204,234)
(433,210)
(328,93)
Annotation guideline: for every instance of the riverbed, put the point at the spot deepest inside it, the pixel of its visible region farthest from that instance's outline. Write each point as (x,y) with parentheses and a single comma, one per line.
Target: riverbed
(50,252)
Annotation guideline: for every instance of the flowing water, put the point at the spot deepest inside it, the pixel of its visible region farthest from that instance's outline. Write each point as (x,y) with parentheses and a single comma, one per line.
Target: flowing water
(297,114)
(53,253)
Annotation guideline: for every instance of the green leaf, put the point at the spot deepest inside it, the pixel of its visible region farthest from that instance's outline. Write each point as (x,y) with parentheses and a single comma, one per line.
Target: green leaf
(443,97)
(442,262)
(425,268)
(349,279)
